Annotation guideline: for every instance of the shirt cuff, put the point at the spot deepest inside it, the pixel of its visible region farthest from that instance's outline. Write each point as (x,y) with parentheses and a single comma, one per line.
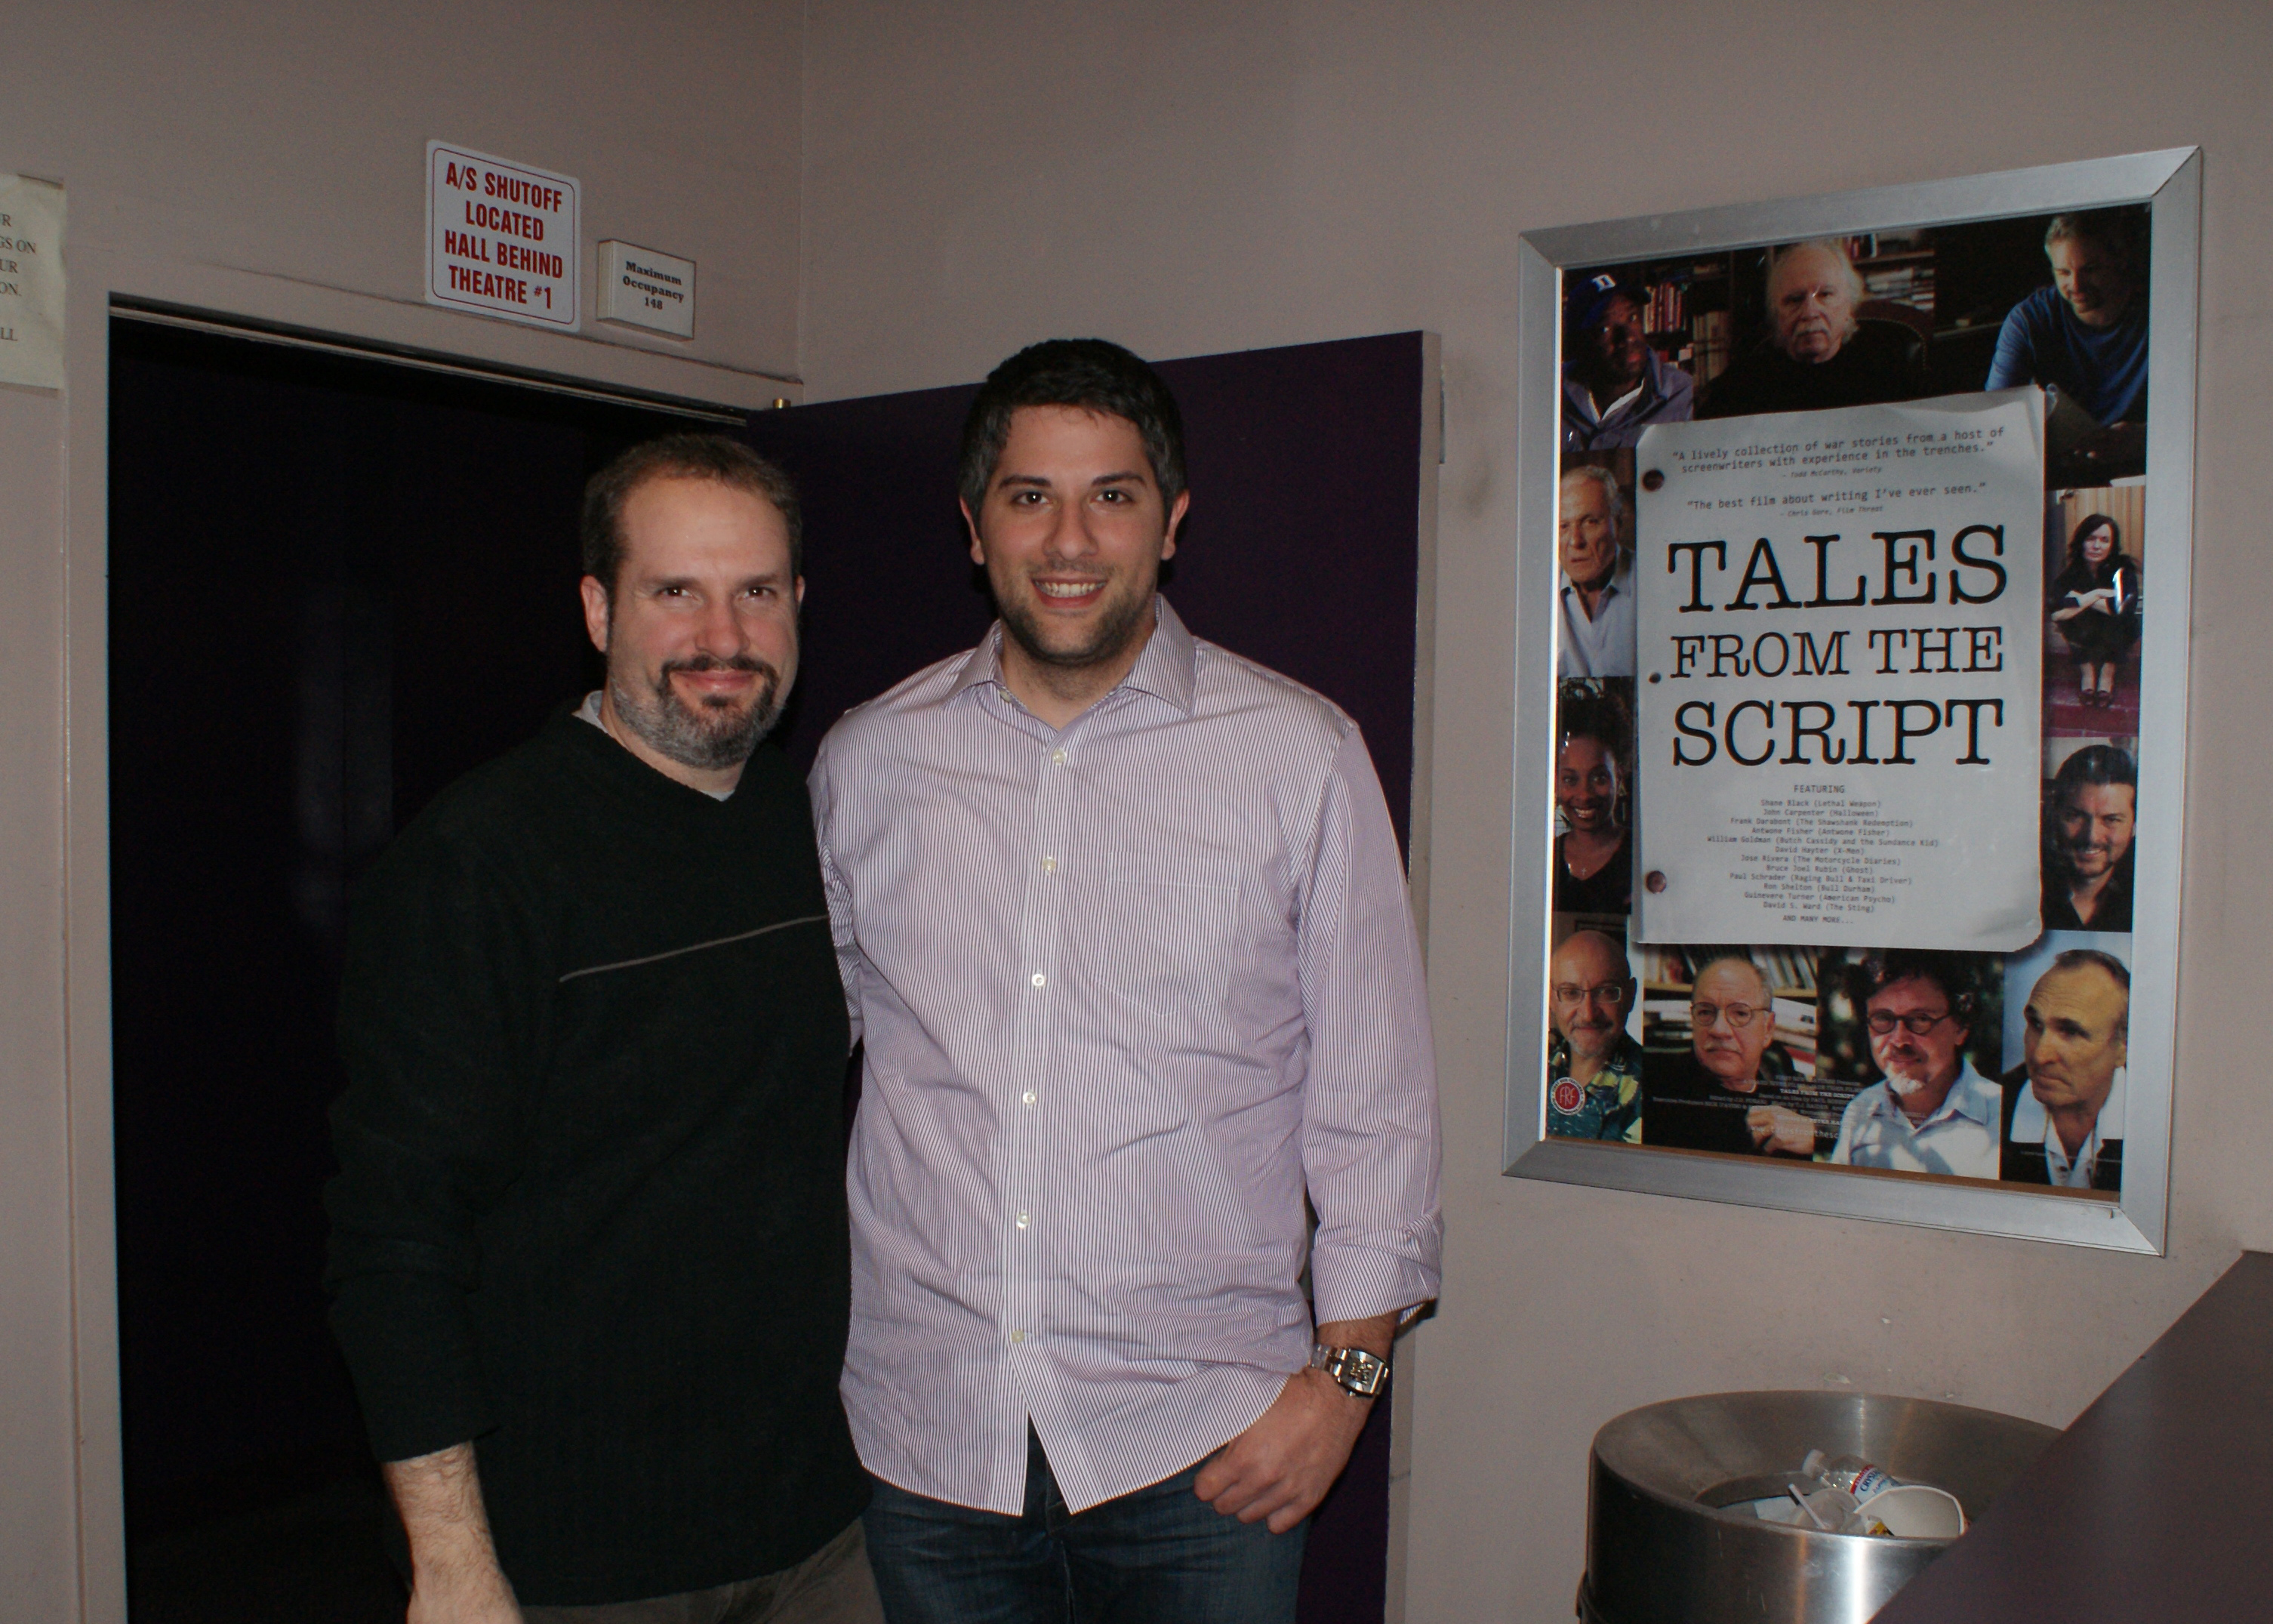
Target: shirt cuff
(1355,1282)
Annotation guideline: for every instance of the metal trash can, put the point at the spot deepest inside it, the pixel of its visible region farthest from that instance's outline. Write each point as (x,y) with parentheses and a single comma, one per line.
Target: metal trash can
(1672,1537)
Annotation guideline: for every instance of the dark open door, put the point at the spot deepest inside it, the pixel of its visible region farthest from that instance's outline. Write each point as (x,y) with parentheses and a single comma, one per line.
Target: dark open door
(335,584)
(1302,550)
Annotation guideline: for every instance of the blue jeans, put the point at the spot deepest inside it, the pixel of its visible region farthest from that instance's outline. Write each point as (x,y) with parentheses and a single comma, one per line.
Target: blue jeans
(1159,1555)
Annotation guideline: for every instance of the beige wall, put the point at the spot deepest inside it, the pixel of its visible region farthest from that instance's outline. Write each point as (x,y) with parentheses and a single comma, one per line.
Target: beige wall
(289,140)
(1190,177)
(268,160)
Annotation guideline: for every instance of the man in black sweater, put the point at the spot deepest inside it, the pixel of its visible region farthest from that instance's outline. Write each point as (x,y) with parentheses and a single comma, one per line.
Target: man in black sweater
(589,1226)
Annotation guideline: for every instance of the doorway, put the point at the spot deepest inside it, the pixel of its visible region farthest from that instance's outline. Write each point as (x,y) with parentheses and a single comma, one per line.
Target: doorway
(337,582)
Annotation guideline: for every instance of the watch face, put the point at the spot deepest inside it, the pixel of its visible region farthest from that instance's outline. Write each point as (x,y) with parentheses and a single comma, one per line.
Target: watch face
(1357,1371)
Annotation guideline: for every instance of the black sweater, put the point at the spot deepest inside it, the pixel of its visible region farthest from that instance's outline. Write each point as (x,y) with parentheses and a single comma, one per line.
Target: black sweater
(590,1210)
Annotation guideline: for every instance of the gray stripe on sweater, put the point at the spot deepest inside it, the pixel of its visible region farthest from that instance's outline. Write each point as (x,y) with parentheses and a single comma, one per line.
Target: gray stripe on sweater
(762,930)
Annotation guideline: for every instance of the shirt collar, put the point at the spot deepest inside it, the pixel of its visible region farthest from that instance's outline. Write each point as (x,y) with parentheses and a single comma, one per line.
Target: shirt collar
(1621,580)
(1167,668)
(2031,1122)
(1625,1058)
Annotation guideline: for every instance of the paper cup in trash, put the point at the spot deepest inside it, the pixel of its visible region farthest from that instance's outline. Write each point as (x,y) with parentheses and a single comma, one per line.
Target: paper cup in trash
(1913,1511)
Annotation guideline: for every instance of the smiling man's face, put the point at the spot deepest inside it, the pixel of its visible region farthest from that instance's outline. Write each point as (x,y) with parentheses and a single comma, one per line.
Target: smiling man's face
(2091,277)
(1072,532)
(2095,826)
(1590,989)
(700,627)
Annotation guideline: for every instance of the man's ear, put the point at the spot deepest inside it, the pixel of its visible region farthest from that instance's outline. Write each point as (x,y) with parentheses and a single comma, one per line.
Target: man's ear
(1175,518)
(596,610)
(800,592)
(978,547)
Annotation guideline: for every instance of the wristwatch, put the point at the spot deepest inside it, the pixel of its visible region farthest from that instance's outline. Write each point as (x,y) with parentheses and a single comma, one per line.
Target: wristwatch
(1359,1373)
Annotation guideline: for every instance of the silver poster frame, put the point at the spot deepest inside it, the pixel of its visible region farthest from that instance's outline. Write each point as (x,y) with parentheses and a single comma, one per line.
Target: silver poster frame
(2170,181)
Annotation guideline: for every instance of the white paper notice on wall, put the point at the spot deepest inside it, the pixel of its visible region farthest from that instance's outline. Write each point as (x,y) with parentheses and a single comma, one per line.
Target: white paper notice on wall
(501,239)
(640,288)
(1840,662)
(31,281)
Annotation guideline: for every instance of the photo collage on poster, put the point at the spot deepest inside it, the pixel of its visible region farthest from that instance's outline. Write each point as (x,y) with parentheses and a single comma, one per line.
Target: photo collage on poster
(2004,1066)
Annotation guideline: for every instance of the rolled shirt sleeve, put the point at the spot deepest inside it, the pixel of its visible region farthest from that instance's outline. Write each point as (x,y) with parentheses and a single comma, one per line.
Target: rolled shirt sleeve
(1370,1139)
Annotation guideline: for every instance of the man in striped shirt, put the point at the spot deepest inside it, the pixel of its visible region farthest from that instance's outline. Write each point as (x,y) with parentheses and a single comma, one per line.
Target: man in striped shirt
(1122,920)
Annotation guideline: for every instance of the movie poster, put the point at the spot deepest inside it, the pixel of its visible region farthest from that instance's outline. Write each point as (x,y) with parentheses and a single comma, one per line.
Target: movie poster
(1851,583)
(1838,675)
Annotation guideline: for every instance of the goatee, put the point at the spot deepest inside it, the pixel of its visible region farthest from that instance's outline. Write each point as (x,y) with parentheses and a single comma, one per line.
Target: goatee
(1119,627)
(709,737)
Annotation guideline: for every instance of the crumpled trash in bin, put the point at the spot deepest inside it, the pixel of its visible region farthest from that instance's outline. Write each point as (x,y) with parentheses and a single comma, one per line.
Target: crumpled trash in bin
(1856,1496)
(1851,1496)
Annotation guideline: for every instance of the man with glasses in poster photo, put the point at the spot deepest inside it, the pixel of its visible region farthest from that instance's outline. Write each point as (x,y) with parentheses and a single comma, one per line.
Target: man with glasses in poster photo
(1725,1093)
(1931,1112)
(1594,1065)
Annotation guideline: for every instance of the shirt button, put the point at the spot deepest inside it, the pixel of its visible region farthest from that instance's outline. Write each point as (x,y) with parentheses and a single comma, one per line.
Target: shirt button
(1057,756)
(1022,1220)
(1040,978)
(1029,1096)
(1017,1337)
(1049,865)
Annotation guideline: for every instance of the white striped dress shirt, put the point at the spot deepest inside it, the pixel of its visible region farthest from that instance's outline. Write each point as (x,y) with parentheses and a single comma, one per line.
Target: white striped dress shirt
(1129,991)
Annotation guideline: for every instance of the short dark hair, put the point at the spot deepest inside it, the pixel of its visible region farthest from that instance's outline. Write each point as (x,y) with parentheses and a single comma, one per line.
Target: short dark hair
(680,456)
(1093,374)
(2095,764)
(1888,967)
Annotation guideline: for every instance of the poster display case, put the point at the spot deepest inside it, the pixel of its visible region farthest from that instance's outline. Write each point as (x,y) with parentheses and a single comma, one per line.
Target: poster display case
(1850,735)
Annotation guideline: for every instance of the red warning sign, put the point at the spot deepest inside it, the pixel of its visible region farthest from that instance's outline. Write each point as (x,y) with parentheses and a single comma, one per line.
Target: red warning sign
(501,238)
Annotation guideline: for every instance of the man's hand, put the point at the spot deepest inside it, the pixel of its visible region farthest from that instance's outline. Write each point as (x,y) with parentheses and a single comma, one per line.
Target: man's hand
(1774,1128)
(455,1576)
(1281,1466)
